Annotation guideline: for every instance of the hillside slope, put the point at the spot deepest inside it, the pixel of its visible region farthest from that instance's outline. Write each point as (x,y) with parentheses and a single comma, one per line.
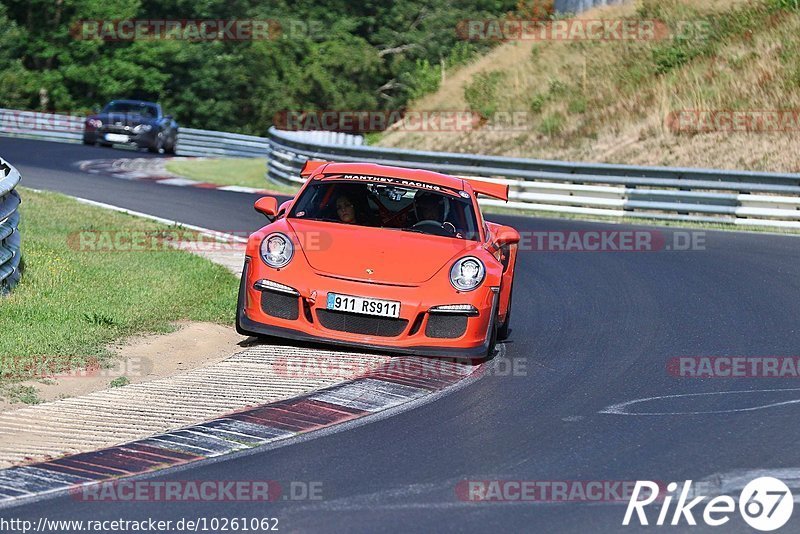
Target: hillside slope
(611,101)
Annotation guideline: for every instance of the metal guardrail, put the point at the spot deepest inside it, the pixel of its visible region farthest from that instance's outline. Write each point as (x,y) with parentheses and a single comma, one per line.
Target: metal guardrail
(69,129)
(577,6)
(193,142)
(10,255)
(662,193)
(679,194)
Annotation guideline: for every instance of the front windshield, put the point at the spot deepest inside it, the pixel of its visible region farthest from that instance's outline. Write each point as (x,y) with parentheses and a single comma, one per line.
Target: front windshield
(145,110)
(381,205)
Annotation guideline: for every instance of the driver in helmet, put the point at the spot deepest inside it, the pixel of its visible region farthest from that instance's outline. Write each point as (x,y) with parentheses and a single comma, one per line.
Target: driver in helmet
(432,209)
(429,207)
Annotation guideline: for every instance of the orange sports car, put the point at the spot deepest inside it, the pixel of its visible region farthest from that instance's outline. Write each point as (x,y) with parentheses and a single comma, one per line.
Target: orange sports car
(384,258)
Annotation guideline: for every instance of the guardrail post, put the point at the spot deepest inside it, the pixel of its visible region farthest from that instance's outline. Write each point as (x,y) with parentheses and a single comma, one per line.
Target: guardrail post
(10,240)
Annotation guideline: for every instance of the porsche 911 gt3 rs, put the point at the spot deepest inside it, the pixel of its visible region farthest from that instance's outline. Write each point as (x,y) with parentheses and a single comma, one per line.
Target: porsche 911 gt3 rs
(380,257)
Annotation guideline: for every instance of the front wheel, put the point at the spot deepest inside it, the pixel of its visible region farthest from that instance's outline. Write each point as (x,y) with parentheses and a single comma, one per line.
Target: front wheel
(170,148)
(158,145)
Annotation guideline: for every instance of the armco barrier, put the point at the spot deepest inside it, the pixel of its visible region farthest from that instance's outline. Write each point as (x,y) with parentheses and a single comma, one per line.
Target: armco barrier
(697,195)
(191,141)
(69,129)
(680,194)
(10,256)
(577,6)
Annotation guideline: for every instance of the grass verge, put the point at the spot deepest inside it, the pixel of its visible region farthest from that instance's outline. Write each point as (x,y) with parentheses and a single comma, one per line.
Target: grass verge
(74,300)
(246,172)
(619,101)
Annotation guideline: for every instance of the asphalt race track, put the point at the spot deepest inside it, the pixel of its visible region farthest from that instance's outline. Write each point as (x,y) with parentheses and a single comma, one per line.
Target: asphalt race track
(590,330)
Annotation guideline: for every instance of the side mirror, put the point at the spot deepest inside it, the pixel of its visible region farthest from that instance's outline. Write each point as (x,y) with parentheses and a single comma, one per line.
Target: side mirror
(506,236)
(268,206)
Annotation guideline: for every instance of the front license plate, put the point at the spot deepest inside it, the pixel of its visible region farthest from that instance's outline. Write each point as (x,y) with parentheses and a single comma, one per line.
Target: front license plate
(366,306)
(117,138)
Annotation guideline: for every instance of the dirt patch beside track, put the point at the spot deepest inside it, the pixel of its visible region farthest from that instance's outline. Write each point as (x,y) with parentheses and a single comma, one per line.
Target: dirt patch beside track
(141,359)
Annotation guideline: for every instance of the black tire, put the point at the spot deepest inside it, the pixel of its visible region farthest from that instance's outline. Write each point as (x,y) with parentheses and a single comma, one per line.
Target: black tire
(88,142)
(239,310)
(503,331)
(170,148)
(158,145)
(107,145)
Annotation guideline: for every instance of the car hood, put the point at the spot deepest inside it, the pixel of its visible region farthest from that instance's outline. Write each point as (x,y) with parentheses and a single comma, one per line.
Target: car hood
(124,119)
(393,256)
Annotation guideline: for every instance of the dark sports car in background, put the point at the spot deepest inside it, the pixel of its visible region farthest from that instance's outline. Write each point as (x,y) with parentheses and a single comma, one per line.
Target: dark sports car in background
(132,122)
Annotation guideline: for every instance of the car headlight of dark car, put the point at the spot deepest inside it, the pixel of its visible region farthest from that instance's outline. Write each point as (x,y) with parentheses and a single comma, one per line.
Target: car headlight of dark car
(142,128)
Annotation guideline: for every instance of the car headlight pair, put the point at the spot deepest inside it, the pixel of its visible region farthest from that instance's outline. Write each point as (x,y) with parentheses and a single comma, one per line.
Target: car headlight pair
(142,128)
(94,123)
(277,250)
(467,273)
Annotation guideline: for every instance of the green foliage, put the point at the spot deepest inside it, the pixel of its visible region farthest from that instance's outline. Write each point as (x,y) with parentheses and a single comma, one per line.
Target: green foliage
(19,393)
(557,88)
(552,124)
(329,55)
(788,5)
(537,102)
(693,35)
(120,381)
(577,105)
(672,56)
(423,79)
(482,92)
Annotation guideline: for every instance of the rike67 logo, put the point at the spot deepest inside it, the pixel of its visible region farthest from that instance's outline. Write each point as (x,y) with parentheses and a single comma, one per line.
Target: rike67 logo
(765,503)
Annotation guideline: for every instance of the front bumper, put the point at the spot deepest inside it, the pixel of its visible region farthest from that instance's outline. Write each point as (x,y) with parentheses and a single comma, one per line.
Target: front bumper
(142,140)
(413,338)
(454,352)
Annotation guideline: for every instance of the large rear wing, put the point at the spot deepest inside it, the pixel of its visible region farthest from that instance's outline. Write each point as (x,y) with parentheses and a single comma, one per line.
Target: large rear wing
(490,189)
(496,190)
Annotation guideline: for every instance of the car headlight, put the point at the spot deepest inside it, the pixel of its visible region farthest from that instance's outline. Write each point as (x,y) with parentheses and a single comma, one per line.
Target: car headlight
(142,128)
(94,123)
(467,273)
(277,250)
